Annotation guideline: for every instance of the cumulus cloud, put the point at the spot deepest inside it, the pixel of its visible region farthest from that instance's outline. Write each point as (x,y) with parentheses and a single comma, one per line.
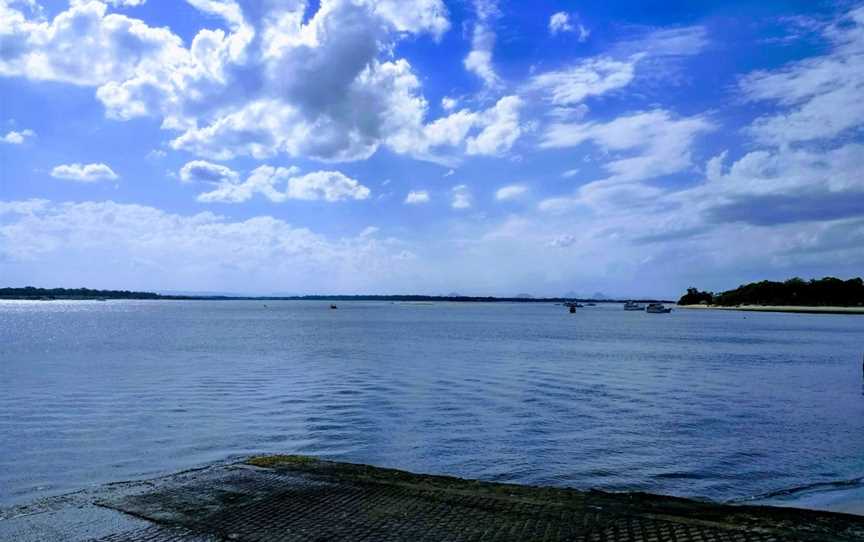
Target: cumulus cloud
(84,173)
(84,45)
(479,59)
(17,138)
(501,128)
(278,184)
(560,22)
(416,197)
(783,186)
(201,170)
(461,197)
(790,206)
(511,192)
(279,80)
(490,132)
(126,245)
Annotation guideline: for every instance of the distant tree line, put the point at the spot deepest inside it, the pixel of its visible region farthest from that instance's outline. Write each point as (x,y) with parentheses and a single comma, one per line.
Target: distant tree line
(30,292)
(825,292)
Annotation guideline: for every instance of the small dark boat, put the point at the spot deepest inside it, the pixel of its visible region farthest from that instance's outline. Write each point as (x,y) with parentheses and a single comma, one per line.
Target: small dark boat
(333,307)
(572,309)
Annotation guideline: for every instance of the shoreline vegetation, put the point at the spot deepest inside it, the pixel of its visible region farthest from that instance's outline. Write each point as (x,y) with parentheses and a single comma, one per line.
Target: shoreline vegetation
(828,295)
(49,294)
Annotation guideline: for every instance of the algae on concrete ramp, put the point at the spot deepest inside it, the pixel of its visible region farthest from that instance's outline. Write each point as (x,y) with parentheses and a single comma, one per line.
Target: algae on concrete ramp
(301,498)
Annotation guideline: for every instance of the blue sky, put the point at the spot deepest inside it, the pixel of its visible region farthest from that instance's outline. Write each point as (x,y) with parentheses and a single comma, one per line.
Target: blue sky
(429,146)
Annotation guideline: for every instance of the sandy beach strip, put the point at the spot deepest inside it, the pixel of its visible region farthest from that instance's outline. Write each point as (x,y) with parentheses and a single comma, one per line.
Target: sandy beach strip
(780,308)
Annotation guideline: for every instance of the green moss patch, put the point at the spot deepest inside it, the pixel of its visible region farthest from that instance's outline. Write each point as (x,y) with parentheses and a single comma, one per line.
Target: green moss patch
(271,461)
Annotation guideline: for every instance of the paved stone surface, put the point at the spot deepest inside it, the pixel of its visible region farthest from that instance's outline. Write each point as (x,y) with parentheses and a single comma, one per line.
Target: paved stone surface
(294,499)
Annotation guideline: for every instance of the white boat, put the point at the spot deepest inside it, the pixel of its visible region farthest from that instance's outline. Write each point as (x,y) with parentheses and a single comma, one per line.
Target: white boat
(633,306)
(657,308)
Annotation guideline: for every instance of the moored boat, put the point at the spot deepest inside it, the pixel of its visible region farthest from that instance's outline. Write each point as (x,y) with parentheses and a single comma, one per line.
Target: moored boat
(633,306)
(573,305)
(657,308)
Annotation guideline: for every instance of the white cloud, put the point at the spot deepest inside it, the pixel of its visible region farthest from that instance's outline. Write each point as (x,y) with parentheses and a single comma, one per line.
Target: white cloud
(17,138)
(563,241)
(125,3)
(278,184)
(490,132)
(278,86)
(819,96)
(85,46)
(415,17)
(560,204)
(327,185)
(592,77)
(84,173)
(136,246)
(658,143)
(279,82)
(788,172)
(584,33)
(511,192)
(461,197)
(561,22)
(203,171)
(501,128)
(570,173)
(448,103)
(479,59)
(416,197)
(369,231)
(681,41)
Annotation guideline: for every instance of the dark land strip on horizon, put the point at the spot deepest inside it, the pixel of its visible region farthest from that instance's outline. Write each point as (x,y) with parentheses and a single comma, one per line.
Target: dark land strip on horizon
(30,293)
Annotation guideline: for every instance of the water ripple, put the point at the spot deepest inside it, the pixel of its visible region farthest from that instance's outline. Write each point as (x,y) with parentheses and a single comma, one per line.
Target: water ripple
(695,403)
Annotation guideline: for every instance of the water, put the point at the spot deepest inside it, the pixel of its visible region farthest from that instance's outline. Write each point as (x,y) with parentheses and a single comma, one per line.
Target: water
(708,404)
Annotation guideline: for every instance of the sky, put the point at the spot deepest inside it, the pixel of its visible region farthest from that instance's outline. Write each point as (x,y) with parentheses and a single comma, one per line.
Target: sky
(484,147)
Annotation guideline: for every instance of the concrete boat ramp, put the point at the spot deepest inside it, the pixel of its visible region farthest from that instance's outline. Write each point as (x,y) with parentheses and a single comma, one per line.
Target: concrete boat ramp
(288,498)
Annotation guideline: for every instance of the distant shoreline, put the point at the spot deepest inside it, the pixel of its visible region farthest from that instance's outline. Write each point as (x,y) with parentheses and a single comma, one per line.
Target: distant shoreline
(780,308)
(56,294)
(384,298)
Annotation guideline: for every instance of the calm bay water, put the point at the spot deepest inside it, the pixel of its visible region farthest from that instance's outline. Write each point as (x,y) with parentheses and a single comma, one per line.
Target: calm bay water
(712,404)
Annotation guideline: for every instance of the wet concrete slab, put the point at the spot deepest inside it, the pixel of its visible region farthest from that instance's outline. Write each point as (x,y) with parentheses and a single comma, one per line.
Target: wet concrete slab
(287,498)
